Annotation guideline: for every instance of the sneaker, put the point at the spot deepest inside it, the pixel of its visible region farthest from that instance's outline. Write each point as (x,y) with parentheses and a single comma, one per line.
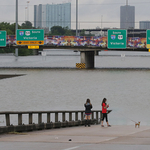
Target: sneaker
(108,125)
(102,125)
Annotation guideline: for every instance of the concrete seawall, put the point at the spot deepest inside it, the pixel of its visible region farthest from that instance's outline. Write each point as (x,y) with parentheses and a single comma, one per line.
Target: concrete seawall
(42,126)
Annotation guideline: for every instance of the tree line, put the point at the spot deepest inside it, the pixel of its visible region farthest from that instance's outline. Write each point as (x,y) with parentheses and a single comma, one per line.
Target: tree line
(55,30)
(10,28)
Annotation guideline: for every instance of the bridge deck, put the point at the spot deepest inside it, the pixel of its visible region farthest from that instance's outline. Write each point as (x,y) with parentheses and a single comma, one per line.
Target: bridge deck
(82,138)
(77,48)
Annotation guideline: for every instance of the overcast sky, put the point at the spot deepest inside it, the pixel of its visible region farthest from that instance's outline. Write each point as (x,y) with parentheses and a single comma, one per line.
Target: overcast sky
(92,13)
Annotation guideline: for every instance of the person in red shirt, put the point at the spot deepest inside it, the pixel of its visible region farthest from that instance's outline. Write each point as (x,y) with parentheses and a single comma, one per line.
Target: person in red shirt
(104,112)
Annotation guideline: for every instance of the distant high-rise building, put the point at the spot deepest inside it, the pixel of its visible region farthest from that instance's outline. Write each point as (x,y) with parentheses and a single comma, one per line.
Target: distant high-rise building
(49,15)
(127,17)
(144,24)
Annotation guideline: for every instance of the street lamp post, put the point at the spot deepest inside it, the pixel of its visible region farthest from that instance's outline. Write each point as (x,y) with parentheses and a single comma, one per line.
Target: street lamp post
(28,10)
(26,13)
(101,23)
(16,50)
(127,14)
(76,17)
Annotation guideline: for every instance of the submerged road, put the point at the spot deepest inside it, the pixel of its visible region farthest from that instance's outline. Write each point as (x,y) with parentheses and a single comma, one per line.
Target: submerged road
(80,138)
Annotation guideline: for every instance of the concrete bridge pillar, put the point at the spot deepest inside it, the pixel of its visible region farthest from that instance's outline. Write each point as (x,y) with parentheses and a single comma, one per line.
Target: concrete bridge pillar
(88,58)
(96,53)
(35,52)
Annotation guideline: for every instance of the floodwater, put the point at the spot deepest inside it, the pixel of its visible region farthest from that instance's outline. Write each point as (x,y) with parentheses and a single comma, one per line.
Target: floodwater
(60,86)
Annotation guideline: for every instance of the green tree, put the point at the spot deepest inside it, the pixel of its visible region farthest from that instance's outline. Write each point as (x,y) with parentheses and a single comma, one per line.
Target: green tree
(68,32)
(82,33)
(9,28)
(24,52)
(26,25)
(4,25)
(57,30)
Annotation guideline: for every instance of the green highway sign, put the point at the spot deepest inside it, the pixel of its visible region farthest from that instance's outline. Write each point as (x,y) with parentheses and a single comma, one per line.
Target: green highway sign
(2,38)
(117,39)
(148,39)
(30,37)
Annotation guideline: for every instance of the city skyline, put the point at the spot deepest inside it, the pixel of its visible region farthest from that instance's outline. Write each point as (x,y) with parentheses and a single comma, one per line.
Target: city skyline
(92,13)
(49,15)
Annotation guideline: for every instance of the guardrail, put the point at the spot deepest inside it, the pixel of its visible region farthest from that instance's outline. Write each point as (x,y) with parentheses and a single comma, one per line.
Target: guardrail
(78,48)
(61,119)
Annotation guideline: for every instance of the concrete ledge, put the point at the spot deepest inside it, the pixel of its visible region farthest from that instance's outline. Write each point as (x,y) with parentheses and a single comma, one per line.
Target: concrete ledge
(48,125)
(51,125)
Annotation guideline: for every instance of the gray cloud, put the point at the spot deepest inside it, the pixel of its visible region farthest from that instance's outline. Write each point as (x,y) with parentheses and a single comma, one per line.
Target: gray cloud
(91,12)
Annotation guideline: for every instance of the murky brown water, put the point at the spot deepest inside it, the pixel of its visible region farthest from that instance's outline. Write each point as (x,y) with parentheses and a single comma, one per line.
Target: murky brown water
(127,91)
(57,88)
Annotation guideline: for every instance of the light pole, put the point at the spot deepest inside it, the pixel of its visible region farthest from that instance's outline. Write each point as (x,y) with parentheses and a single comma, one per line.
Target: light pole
(28,10)
(16,49)
(76,17)
(79,29)
(101,23)
(127,14)
(26,13)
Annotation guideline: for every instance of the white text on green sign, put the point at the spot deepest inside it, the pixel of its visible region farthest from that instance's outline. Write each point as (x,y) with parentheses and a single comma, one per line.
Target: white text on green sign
(117,39)
(2,38)
(148,39)
(30,35)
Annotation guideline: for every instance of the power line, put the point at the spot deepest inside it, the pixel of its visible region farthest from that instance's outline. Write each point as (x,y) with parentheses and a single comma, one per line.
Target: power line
(87,4)
(114,3)
(69,21)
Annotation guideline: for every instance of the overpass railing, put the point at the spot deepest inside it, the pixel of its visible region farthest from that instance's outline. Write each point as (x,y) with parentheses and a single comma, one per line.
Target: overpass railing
(54,119)
(81,41)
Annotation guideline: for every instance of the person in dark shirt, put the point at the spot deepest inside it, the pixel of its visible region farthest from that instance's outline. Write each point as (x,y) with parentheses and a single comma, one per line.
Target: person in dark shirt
(88,107)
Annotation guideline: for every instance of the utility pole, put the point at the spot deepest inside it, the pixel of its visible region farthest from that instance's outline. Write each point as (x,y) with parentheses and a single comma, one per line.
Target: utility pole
(101,23)
(127,14)
(28,10)
(16,49)
(76,17)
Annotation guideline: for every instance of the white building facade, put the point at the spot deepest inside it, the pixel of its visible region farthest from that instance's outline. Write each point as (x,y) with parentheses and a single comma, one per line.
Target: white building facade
(49,15)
